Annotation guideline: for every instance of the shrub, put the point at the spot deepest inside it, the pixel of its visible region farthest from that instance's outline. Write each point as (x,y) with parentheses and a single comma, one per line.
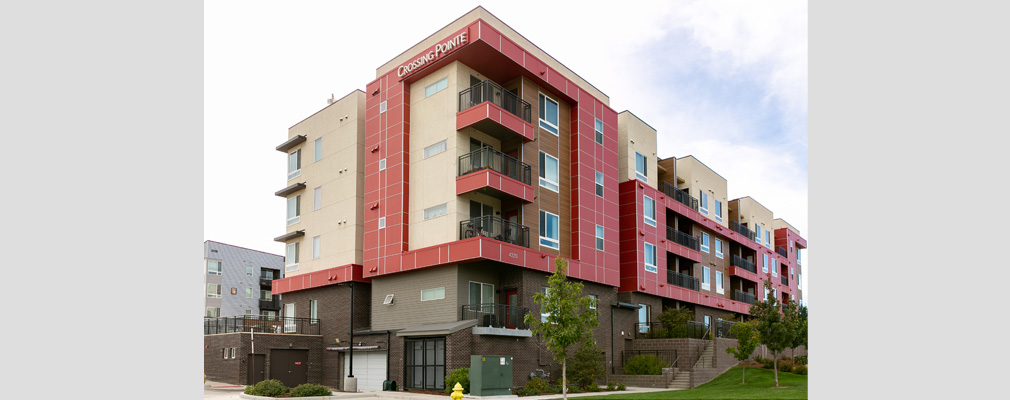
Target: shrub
(269,387)
(461,375)
(573,388)
(587,367)
(310,389)
(766,363)
(611,386)
(592,388)
(786,365)
(800,369)
(644,364)
(620,386)
(536,386)
(802,360)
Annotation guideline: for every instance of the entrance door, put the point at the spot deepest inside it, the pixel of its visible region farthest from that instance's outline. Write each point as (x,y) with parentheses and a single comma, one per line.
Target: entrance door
(512,231)
(291,367)
(257,369)
(511,304)
(424,363)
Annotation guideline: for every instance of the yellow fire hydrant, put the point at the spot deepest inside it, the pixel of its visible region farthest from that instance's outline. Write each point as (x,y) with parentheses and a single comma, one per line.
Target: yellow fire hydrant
(457,392)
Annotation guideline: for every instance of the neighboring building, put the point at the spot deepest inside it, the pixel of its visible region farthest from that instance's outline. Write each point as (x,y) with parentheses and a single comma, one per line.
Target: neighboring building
(238,281)
(438,198)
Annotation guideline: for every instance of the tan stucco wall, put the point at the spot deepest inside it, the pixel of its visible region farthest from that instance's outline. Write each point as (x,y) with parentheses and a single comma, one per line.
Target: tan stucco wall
(407,309)
(340,175)
(634,135)
(481,13)
(753,213)
(780,223)
(697,176)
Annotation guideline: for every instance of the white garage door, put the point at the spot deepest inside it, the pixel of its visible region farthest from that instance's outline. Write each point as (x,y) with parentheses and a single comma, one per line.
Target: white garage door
(369,368)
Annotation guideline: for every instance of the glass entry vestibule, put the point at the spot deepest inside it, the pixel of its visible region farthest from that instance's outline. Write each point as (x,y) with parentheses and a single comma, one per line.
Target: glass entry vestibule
(425,363)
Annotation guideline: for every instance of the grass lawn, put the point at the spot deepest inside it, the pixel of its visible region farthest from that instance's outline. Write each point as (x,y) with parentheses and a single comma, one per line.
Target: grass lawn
(760,385)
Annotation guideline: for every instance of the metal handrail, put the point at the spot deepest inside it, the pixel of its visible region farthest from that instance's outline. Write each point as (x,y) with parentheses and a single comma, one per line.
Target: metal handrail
(494,93)
(489,158)
(495,315)
(261,323)
(682,238)
(743,263)
(682,280)
(679,195)
(739,228)
(495,228)
(744,297)
(782,251)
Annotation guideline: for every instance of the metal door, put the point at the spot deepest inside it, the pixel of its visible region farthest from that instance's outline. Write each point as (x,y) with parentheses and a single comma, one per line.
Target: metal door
(291,367)
(257,368)
(511,305)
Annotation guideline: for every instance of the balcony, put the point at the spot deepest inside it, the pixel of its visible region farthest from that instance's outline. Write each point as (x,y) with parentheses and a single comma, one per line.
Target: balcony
(679,195)
(743,263)
(782,251)
(489,315)
(657,330)
(744,297)
(261,323)
(495,111)
(784,279)
(739,228)
(682,239)
(682,280)
(494,173)
(270,304)
(495,228)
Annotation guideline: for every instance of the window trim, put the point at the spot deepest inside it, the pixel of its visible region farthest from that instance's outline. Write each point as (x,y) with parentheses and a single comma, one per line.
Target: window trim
(764,263)
(706,278)
(382,107)
(288,267)
(702,201)
(217,312)
(649,220)
(317,149)
(443,81)
(646,258)
(316,244)
(317,198)
(717,210)
(430,291)
(382,164)
(719,286)
(219,267)
(469,292)
(444,211)
(718,248)
(598,129)
(644,175)
(291,220)
(289,324)
(216,295)
(543,229)
(599,184)
(703,242)
(595,300)
(543,173)
(292,174)
(313,311)
(552,128)
(775,269)
(248,293)
(444,144)
(600,241)
(382,222)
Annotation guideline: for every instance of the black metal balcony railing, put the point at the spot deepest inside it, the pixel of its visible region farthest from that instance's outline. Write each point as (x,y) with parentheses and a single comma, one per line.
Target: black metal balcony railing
(785,280)
(495,228)
(656,330)
(260,323)
(489,158)
(744,297)
(270,304)
(490,91)
(266,282)
(782,251)
(722,328)
(739,228)
(682,280)
(682,238)
(679,195)
(743,263)
(495,315)
(268,274)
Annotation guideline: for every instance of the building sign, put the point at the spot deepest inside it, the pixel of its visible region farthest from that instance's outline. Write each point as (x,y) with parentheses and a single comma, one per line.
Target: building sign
(439,50)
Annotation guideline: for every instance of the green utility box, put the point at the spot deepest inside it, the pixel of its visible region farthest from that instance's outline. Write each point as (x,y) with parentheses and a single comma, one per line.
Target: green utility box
(490,375)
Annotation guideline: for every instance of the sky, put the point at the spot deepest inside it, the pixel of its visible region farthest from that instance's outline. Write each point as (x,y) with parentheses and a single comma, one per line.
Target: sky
(723,81)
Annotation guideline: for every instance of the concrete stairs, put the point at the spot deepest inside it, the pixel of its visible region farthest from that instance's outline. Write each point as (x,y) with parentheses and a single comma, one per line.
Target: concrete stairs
(681,381)
(707,358)
(705,365)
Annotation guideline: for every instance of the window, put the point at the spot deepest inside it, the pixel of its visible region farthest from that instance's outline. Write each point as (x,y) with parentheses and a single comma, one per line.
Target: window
(248,313)
(291,260)
(213,312)
(315,247)
(641,168)
(593,301)
(294,164)
(757,236)
(775,271)
(266,295)
(269,315)
(313,311)
(650,257)
(382,164)
(798,257)
(248,293)
(317,198)
(599,237)
(436,87)
(213,267)
(599,184)
(548,171)
(718,248)
(764,264)
(549,230)
(703,201)
(382,222)
(382,107)
(599,131)
(708,321)
(718,210)
(249,270)
(643,318)
(434,149)
(435,212)
(433,294)
(543,315)
(224,353)
(213,290)
(768,238)
(706,284)
(294,209)
(718,282)
(317,146)
(289,318)
(704,242)
(649,206)
(548,114)
(799,281)
(482,293)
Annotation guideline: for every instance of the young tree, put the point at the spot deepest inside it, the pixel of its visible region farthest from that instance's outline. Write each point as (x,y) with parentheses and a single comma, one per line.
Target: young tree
(775,333)
(747,340)
(569,319)
(796,316)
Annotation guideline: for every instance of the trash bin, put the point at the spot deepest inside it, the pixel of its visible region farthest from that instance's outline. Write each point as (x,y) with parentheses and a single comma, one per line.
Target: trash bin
(388,385)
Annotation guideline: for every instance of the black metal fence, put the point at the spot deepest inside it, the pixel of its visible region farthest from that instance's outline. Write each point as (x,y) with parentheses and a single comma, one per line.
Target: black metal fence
(785,280)
(782,251)
(489,158)
(722,328)
(683,239)
(679,195)
(657,330)
(739,228)
(495,228)
(260,324)
(682,280)
(744,297)
(495,315)
(668,357)
(743,263)
(271,304)
(490,91)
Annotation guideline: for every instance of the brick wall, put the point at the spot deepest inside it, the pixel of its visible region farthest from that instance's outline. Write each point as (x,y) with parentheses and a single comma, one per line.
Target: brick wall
(235,371)
(650,381)
(217,368)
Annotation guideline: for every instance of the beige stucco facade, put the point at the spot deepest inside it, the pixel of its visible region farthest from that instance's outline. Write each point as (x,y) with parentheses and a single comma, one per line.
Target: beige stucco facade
(697,178)
(339,175)
(753,214)
(636,136)
(780,223)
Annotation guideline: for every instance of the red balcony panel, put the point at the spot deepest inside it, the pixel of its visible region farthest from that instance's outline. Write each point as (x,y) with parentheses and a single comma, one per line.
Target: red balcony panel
(495,184)
(495,121)
(680,250)
(331,276)
(745,274)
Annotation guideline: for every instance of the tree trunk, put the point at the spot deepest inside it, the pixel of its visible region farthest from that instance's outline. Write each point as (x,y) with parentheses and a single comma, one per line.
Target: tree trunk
(775,363)
(564,379)
(743,379)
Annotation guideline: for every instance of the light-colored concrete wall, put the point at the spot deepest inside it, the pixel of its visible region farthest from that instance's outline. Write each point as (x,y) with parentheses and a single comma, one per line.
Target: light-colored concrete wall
(234,274)
(635,135)
(339,174)
(753,214)
(483,14)
(407,309)
(697,176)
